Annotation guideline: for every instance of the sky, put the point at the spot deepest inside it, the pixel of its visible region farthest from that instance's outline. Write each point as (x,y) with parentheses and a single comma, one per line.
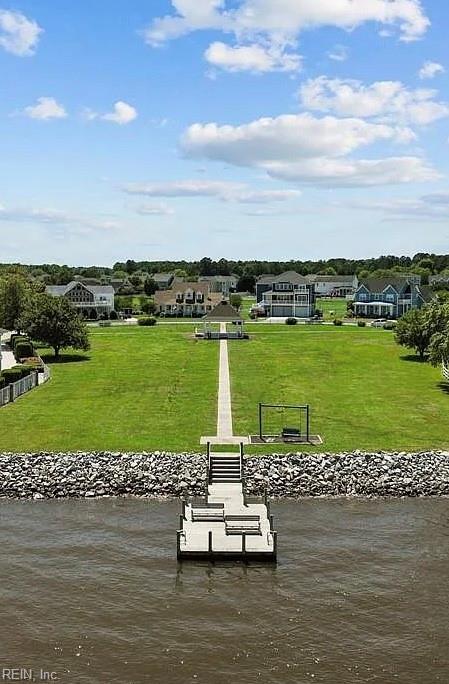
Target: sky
(243,129)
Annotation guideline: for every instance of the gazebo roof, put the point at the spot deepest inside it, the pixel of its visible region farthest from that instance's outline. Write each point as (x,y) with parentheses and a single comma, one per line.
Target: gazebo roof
(223,313)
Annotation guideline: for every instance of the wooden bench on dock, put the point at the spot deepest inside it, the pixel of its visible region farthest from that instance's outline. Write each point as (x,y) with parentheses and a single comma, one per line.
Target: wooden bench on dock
(242,524)
(213,512)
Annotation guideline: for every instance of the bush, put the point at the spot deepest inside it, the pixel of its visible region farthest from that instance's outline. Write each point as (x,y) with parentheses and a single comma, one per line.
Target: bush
(23,349)
(113,315)
(149,320)
(290,321)
(11,375)
(149,307)
(104,316)
(2,382)
(338,321)
(361,324)
(24,370)
(16,339)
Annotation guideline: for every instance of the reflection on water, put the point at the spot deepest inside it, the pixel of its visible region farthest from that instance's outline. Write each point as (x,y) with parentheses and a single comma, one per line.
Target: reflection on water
(91,590)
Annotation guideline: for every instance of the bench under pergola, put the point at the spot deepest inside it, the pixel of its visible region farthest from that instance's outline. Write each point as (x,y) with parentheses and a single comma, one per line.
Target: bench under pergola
(222,314)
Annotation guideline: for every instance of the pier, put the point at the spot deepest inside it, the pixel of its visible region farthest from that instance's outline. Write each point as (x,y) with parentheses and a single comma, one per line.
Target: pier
(226,524)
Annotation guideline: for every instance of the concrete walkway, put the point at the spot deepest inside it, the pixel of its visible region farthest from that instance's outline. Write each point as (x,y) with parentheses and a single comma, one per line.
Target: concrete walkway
(7,357)
(225,433)
(224,415)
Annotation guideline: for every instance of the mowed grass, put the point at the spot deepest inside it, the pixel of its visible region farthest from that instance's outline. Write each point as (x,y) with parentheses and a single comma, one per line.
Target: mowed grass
(332,308)
(136,389)
(365,392)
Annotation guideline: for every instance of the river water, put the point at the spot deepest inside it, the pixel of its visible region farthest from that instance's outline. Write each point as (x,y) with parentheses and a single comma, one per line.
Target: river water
(91,592)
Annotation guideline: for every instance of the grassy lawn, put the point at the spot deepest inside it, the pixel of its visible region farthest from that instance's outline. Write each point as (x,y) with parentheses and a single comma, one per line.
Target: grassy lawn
(156,388)
(332,308)
(247,303)
(138,389)
(364,392)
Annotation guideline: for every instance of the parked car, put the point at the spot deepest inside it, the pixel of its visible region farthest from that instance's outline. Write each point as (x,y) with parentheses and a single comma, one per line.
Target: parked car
(378,323)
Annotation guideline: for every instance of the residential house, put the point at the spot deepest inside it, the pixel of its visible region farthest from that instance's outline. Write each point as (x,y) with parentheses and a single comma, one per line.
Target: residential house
(163,280)
(186,299)
(389,297)
(91,300)
(333,285)
(225,284)
(285,295)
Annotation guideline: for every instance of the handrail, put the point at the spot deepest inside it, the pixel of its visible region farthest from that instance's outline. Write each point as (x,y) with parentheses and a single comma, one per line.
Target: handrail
(445,371)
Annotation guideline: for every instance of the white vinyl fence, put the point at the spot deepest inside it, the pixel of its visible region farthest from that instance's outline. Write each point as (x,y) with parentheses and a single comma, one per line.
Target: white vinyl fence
(445,370)
(13,391)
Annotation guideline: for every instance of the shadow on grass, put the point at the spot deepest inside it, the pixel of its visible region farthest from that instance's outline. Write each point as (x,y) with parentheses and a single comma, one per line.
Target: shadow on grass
(64,358)
(443,386)
(413,357)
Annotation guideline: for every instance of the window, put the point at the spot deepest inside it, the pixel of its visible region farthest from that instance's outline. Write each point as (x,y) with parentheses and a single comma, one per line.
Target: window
(362,296)
(389,297)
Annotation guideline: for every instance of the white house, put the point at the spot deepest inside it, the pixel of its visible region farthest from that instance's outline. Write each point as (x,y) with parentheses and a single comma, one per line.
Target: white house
(333,285)
(87,298)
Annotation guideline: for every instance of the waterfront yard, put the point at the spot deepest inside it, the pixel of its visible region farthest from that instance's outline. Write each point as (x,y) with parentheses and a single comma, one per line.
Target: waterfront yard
(365,391)
(156,388)
(137,388)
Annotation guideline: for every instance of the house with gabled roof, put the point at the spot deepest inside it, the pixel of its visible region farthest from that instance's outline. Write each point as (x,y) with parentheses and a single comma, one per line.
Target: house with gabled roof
(333,285)
(186,299)
(286,295)
(91,300)
(389,297)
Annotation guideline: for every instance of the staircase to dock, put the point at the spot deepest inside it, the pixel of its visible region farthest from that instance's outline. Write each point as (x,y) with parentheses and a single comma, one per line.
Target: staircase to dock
(225,467)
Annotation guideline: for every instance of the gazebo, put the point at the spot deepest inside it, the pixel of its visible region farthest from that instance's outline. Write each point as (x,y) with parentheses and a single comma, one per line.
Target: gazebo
(222,314)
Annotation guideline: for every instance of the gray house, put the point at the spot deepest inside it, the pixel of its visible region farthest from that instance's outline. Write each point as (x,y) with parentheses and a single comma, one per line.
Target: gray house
(333,285)
(88,299)
(285,295)
(389,297)
(225,284)
(163,280)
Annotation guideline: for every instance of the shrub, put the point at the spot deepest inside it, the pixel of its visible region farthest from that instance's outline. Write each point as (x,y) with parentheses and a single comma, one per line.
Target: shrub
(147,321)
(24,370)
(16,339)
(104,316)
(290,321)
(361,324)
(113,315)
(2,382)
(338,321)
(11,375)
(23,349)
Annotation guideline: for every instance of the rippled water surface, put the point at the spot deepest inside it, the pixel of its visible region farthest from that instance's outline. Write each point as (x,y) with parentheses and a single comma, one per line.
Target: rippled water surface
(91,591)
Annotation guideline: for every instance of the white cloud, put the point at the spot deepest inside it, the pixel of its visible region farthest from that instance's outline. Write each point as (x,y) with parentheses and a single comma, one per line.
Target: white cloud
(229,192)
(53,217)
(346,173)
(388,100)
(305,149)
(46,108)
(430,70)
(18,34)
(339,53)
(122,114)
(155,210)
(283,20)
(255,58)
(427,207)
(289,137)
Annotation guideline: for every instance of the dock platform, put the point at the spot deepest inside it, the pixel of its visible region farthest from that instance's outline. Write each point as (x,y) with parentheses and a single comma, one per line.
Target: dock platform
(226,524)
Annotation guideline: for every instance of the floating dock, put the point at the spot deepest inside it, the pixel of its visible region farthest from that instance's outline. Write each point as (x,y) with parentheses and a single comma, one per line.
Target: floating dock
(226,524)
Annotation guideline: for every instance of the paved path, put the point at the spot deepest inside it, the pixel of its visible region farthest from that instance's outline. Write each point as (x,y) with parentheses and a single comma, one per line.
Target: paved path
(7,360)
(224,415)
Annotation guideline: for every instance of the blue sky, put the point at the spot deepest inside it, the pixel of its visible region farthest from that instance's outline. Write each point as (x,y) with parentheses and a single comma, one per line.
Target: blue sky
(269,129)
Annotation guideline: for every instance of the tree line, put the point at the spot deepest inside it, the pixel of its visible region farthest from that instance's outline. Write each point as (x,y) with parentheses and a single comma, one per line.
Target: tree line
(248,271)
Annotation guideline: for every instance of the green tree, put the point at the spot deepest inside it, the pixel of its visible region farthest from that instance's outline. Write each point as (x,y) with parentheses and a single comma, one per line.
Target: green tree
(439,348)
(54,321)
(235,300)
(412,332)
(149,286)
(14,294)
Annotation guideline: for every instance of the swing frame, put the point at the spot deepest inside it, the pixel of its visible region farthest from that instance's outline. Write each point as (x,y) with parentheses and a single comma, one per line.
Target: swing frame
(300,407)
